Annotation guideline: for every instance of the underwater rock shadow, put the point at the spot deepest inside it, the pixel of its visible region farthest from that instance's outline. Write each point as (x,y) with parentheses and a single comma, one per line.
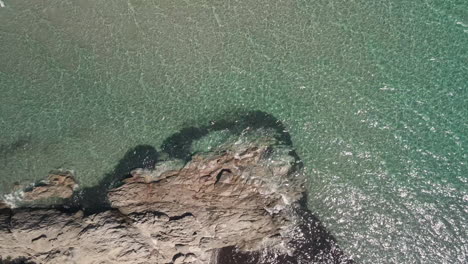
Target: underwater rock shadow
(178,145)
(94,199)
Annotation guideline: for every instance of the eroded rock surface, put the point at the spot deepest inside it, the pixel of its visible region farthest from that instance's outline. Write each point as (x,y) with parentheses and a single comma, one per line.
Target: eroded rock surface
(240,195)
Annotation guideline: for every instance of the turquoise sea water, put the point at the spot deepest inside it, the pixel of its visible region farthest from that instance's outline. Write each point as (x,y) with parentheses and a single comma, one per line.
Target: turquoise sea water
(373,93)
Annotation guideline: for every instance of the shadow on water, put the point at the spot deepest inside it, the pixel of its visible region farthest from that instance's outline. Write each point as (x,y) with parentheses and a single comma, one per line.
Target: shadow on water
(178,145)
(94,199)
(317,244)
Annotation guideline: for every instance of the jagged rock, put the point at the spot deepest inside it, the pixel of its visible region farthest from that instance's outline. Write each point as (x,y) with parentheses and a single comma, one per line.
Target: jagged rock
(237,196)
(51,236)
(58,185)
(214,201)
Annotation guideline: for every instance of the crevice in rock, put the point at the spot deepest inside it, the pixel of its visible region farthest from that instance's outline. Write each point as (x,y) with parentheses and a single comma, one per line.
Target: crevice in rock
(223,175)
(176,256)
(86,229)
(179,217)
(39,237)
(139,215)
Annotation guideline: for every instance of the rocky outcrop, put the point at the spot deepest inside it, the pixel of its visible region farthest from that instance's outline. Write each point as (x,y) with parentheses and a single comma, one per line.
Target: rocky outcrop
(215,201)
(60,184)
(59,187)
(241,195)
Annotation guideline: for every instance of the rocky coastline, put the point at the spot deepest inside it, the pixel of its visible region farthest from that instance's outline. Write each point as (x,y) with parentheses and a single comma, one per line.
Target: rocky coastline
(241,202)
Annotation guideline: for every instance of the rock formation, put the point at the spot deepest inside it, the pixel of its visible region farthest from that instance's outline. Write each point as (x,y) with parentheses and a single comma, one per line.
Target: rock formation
(59,187)
(60,184)
(229,197)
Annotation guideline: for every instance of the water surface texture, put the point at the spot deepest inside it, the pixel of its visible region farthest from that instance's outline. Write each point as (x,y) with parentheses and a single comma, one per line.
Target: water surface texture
(373,93)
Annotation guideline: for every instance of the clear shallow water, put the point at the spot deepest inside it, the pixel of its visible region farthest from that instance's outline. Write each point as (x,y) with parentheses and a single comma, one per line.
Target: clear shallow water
(373,93)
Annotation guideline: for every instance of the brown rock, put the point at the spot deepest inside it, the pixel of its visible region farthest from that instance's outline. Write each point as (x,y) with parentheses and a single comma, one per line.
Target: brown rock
(216,200)
(58,185)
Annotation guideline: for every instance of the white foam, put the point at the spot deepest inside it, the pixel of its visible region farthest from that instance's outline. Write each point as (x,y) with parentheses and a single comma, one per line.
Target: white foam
(386,88)
(462,24)
(14,198)
(2,4)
